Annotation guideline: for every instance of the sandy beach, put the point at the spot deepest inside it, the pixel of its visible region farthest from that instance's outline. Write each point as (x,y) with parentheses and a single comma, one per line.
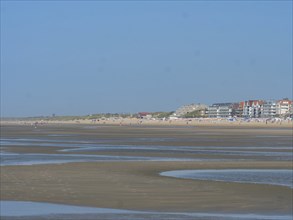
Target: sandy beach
(201,122)
(137,185)
(146,110)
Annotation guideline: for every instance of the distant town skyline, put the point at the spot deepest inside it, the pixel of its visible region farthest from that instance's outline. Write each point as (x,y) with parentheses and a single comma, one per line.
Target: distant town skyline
(78,58)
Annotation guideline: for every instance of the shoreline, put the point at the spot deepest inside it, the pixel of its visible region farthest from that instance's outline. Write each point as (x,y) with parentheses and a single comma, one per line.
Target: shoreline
(262,123)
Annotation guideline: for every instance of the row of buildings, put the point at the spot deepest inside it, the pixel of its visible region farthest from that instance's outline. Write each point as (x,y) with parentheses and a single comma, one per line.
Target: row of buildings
(245,109)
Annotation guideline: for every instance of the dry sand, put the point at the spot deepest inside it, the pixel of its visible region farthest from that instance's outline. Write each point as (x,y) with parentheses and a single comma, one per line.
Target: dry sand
(202,122)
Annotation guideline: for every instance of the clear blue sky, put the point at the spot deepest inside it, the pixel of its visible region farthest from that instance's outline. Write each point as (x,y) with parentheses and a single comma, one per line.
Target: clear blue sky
(76,57)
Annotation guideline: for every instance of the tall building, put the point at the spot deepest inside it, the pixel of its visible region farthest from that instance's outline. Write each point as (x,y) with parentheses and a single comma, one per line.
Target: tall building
(252,108)
(283,107)
(238,108)
(222,110)
(269,109)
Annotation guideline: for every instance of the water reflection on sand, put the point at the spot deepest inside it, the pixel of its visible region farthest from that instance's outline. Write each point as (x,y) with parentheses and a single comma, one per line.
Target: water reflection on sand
(257,176)
(33,210)
(67,148)
(190,153)
(9,159)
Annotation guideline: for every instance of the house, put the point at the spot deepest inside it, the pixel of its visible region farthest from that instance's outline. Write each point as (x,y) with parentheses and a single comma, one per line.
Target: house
(146,115)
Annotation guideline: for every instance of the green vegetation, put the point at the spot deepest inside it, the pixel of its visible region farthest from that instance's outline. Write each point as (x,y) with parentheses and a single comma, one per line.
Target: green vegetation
(100,116)
(162,114)
(72,118)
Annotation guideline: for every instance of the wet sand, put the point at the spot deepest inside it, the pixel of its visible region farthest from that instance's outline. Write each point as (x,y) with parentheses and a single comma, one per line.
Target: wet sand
(138,185)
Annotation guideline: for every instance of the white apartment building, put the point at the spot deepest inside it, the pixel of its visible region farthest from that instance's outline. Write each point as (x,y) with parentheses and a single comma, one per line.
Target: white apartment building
(252,108)
(283,107)
(221,110)
(269,109)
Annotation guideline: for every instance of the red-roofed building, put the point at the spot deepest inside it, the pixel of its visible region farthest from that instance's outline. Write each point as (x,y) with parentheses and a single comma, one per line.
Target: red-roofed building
(144,115)
(252,108)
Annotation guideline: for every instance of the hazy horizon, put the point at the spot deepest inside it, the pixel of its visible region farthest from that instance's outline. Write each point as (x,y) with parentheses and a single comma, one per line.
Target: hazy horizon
(80,58)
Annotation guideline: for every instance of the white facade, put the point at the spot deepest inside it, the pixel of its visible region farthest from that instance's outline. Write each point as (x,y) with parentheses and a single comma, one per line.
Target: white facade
(252,108)
(283,107)
(269,109)
(221,110)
